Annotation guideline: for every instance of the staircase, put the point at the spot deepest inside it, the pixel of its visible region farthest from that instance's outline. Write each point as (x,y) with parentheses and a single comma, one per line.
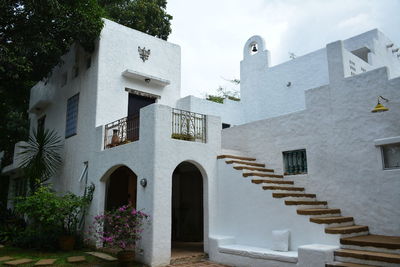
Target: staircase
(358,247)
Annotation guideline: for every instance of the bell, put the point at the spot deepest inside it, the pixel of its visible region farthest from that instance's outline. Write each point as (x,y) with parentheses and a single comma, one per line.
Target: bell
(254,49)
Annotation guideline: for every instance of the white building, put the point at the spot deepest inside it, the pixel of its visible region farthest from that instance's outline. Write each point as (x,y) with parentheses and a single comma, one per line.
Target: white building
(309,118)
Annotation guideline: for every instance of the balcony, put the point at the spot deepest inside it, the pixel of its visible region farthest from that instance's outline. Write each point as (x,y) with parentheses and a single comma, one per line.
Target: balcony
(188,126)
(121,131)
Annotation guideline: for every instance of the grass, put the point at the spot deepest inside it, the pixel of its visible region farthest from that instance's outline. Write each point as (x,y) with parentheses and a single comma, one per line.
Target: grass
(62,256)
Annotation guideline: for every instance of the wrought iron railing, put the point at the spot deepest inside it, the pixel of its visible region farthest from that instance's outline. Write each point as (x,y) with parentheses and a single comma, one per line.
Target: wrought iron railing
(121,131)
(188,126)
(295,162)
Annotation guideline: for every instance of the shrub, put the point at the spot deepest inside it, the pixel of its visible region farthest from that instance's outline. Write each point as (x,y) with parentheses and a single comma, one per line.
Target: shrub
(120,228)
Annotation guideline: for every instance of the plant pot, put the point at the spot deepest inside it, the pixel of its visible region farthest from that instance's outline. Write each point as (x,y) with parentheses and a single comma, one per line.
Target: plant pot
(126,255)
(66,242)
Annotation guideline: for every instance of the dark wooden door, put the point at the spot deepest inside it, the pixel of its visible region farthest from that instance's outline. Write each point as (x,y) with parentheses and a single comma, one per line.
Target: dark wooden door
(135,103)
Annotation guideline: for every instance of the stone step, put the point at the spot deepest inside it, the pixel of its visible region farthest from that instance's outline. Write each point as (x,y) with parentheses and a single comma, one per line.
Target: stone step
(18,262)
(293,195)
(245,163)
(45,262)
(261,181)
(305,203)
(239,167)
(346,229)
(331,220)
(380,241)
(368,257)
(188,259)
(317,211)
(284,188)
(260,174)
(377,243)
(346,264)
(235,157)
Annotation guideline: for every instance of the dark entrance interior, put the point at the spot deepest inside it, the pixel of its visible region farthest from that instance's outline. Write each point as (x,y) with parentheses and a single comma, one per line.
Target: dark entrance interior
(136,102)
(121,188)
(187,209)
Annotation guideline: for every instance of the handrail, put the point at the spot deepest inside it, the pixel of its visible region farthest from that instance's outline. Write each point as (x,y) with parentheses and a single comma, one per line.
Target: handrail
(121,131)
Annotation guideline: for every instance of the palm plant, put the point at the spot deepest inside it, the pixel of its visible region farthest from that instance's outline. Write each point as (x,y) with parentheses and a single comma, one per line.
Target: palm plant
(40,157)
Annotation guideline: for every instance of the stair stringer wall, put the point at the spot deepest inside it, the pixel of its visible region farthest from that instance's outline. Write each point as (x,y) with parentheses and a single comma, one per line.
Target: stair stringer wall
(250,214)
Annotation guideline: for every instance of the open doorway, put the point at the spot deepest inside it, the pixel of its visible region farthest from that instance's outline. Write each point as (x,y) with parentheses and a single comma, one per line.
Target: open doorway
(121,188)
(187,211)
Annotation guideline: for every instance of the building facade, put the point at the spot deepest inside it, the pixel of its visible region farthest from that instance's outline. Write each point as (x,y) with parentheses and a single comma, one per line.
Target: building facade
(127,130)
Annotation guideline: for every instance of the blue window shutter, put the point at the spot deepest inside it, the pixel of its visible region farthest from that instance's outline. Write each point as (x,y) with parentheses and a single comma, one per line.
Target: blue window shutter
(72,116)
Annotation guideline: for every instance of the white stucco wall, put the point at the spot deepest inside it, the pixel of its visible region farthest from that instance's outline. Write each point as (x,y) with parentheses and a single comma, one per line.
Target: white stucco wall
(154,157)
(264,90)
(338,131)
(380,55)
(75,148)
(230,111)
(250,214)
(118,51)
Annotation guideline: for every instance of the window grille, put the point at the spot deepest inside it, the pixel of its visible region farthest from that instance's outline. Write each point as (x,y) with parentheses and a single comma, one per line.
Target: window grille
(295,162)
(188,126)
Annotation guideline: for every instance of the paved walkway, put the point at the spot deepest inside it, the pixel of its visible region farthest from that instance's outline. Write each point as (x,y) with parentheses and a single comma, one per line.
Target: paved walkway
(199,264)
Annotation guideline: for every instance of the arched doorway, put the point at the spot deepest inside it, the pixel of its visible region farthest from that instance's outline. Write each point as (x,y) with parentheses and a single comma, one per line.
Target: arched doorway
(187,209)
(121,188)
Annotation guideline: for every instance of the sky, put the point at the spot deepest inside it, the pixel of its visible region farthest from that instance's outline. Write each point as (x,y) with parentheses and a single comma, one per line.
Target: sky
(212,33)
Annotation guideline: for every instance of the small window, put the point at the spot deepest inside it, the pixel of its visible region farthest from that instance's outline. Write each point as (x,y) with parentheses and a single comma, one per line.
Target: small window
(363,70)
(295,162)
(391,156)
(72,116)
(352,68)
(40,123)
(352,63)
(225,125)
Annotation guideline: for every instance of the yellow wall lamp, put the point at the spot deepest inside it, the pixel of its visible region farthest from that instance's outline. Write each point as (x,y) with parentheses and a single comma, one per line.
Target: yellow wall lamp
(379,107)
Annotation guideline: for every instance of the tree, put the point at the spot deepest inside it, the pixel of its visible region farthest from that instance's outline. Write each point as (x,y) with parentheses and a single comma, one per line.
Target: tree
(40,157)
(34,34)
(148,16)
(223,93)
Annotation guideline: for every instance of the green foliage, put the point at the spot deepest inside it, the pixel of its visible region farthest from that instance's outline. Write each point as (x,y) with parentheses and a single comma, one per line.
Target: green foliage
(33,238)
(119,228)
(33,37)
(186,137)
(10,225)
(223,93)
(214,98)
(49,212)
(147,16)
(40,157)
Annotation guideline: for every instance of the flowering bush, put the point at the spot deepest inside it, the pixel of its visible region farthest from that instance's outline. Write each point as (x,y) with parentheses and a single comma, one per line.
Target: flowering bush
(119,228)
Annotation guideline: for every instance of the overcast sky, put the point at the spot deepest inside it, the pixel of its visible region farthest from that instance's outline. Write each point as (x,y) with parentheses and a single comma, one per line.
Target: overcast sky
(212,33)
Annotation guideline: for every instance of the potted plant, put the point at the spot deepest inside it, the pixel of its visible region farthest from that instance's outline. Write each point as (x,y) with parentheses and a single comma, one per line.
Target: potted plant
(120,228)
